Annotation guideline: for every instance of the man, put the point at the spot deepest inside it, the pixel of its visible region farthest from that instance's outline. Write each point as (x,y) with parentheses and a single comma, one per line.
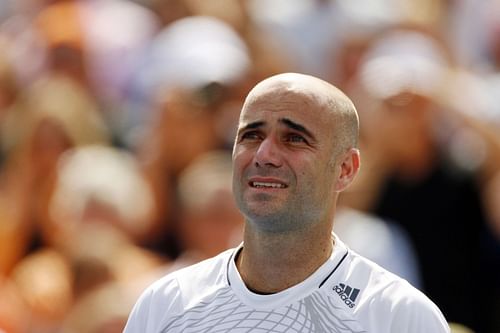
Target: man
(295,151)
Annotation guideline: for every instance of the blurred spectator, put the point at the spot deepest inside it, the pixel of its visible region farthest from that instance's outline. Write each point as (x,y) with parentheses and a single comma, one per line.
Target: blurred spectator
(192,82)
(383,242)
(100,184)
(268,54)
(108,306)
(99,204)
(414,179)
(54,98)
(44,283)
(306,29)
(315,31)
(57,282)
(113,50)
(209,220)
(50,117)
(191,54)
(100,210)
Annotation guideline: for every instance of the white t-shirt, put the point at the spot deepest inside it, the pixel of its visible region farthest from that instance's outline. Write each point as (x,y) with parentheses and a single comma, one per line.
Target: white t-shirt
(347,294)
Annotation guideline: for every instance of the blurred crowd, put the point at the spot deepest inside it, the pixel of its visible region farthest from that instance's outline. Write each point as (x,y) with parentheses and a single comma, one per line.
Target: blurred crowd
(116,125)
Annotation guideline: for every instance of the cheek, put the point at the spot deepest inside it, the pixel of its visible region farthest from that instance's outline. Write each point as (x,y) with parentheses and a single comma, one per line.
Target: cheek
(239,165)
(318,174)
(307,172)
(241,159)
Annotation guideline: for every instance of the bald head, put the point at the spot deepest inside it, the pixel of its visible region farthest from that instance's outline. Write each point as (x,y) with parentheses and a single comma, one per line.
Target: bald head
(329,103)
(294,152)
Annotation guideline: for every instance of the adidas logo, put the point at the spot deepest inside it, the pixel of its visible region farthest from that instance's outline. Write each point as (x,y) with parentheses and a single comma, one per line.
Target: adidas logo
(347,294)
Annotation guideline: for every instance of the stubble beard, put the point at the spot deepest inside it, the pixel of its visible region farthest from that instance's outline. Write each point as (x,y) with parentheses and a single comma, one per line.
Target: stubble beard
(279,215)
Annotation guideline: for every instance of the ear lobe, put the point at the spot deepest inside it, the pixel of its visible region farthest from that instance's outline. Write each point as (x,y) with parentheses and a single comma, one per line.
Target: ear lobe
(349,168)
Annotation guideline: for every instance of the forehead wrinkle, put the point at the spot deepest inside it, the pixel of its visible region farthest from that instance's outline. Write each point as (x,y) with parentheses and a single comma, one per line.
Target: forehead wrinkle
(292,91)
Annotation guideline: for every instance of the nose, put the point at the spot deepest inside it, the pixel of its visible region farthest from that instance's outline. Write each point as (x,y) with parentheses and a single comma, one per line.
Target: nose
(268,154)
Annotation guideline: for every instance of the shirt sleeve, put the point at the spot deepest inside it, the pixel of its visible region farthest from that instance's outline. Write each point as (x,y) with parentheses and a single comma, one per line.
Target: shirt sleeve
(153,307)
(417,314)
(140,316)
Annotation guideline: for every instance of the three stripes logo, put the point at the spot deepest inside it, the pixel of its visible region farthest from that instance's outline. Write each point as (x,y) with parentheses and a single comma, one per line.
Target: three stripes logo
(347,294)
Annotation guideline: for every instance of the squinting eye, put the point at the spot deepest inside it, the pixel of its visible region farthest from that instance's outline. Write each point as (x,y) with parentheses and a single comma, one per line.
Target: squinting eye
(296,138)
(250,136)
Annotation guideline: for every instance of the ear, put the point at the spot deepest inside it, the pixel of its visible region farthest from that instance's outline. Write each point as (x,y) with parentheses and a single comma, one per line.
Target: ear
(349,167)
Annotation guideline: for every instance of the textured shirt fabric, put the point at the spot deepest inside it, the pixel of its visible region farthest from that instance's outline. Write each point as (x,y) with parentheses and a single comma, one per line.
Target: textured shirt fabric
(347,294)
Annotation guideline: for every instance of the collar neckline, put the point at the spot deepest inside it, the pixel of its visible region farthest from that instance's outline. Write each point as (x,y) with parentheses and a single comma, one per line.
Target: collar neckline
(267,301)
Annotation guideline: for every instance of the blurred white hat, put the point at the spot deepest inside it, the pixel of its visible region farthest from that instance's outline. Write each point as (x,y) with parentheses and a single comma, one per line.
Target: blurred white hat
(209,175)
(403,61)
(193,52)
(105,175)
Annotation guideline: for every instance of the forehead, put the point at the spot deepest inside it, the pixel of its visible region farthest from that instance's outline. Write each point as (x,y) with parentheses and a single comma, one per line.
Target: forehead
(281,100)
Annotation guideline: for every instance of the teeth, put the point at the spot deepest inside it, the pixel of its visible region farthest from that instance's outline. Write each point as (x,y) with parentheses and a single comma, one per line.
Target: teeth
(272,185)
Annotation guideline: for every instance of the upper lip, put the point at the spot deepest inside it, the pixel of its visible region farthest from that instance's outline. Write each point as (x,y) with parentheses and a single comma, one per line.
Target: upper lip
(268,180)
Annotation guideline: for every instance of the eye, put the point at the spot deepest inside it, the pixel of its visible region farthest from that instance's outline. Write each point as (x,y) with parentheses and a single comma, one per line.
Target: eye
(251,135)
(296,138)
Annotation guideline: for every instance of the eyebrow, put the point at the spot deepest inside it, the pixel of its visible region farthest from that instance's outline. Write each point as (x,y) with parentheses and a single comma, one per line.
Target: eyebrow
(293,125)
(253,125)
(287,122)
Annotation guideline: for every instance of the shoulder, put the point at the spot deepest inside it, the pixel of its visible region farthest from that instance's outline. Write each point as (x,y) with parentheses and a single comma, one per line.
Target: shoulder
(388,303)
(176,291)
(207,272)
(193,279)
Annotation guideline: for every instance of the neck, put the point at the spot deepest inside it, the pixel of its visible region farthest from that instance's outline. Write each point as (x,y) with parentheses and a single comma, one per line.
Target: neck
(272,262)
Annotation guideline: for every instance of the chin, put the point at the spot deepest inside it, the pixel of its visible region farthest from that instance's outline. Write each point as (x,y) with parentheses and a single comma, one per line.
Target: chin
(272,220)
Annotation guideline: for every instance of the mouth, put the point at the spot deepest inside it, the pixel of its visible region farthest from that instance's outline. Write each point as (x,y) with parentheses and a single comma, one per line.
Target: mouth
(267,184)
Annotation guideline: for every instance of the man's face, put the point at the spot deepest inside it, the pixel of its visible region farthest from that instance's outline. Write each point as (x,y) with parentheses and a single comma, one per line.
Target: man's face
(283,177)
